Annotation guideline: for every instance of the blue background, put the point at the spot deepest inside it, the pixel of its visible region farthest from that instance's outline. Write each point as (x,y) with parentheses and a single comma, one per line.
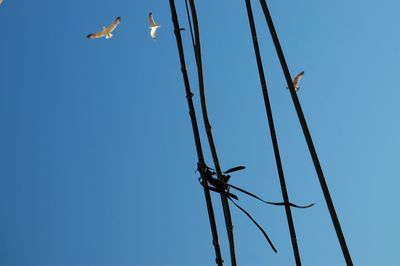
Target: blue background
(97,159)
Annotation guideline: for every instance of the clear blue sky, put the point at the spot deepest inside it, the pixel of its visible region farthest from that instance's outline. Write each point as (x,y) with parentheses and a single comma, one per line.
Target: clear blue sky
(97,159)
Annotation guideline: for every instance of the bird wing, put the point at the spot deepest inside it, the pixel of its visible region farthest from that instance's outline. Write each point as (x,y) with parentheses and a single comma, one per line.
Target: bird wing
(151,20)
(297,79)
(153,32)
(97,35)
(114,24)
(1,1)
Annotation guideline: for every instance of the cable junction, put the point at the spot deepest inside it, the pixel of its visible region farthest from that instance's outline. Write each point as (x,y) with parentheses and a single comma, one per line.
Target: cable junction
(209,180)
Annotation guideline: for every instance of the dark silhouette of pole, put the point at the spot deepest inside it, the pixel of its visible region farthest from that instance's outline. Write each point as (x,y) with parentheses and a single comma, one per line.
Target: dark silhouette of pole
(224,199)
(307,135)
(268,109)
(196,134)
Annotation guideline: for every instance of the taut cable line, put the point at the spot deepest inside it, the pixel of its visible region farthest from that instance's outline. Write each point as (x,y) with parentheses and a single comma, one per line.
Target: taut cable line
(273,134)
(224,198)
(201,162)
(190,23)
(210,179)
(307,135)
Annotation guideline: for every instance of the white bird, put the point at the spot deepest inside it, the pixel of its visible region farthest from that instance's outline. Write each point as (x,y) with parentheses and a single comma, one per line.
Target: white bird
(106,30)
(153,26)
(297,80)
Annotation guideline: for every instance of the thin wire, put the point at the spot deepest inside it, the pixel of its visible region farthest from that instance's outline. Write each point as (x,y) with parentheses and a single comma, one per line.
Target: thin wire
(190,24)
(307,135)
(189,94)
(274,139)
(254,221)
(224,199)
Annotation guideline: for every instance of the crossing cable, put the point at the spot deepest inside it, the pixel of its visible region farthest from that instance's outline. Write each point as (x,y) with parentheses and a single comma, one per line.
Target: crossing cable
(273,134)
(224,198)
(307,135)
(189,95)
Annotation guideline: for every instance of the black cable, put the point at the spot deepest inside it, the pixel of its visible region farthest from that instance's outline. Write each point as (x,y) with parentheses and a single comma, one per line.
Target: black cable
(270,202)
(254,221)
(190,24)
(307,135)
(224,199)
(274,139)
(196,134)
(223,189)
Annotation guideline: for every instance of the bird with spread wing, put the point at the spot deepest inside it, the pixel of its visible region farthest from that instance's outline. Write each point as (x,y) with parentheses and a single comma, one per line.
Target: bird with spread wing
(106,30)
(153,26)
(296,81)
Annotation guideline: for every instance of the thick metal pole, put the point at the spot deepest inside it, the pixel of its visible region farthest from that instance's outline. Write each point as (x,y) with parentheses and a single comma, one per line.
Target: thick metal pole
(196,134)
(307,135)
(224,199)
(274,139)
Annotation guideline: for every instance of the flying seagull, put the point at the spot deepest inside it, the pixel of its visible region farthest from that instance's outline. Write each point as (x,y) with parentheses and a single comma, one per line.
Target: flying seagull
(106,30)
(153,26)
(297,80)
